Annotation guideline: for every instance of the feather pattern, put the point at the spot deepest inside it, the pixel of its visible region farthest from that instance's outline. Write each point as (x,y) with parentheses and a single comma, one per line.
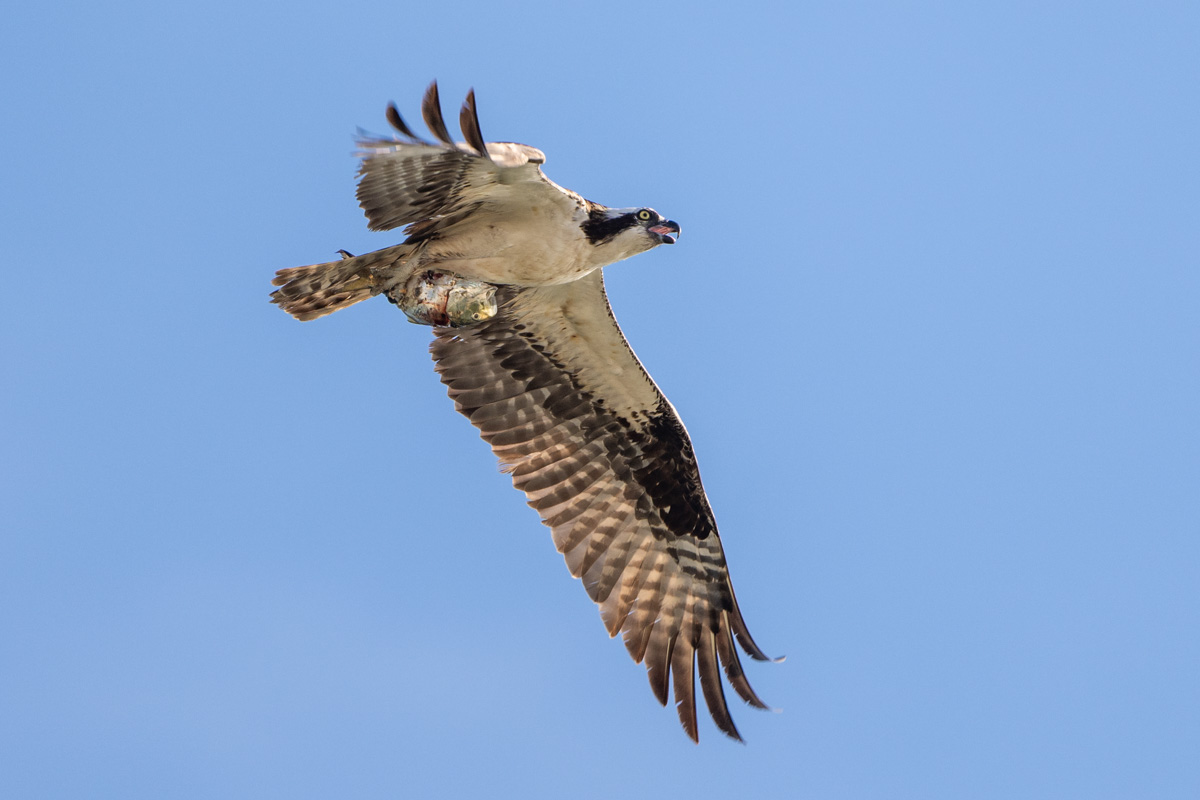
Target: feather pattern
(409,181)
(601,455)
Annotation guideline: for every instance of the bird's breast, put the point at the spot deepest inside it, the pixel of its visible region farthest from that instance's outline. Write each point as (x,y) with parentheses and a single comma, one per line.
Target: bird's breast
(539,251)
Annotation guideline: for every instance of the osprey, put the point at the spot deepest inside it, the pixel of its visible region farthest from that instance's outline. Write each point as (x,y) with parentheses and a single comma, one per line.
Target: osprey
(530,352)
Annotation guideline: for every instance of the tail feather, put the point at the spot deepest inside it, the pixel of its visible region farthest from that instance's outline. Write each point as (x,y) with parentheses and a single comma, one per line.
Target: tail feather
(315,290)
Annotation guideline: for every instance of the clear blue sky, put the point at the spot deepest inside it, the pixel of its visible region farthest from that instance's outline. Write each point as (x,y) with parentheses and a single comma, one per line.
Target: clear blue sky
(932,323)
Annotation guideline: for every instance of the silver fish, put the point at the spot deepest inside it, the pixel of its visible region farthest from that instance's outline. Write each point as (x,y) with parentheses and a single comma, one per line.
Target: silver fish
(446,300)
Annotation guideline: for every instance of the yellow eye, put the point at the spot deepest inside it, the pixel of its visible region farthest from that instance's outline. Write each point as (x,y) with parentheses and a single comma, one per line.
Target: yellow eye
(644,214)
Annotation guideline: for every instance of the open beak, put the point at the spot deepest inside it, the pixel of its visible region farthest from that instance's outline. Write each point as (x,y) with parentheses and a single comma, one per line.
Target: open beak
(667,231)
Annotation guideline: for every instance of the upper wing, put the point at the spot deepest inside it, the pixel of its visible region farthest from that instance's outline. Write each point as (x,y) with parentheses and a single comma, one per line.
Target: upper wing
(407,180)
(599,452)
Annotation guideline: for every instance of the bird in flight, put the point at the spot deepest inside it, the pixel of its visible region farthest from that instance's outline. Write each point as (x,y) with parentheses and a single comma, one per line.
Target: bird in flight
(506,267)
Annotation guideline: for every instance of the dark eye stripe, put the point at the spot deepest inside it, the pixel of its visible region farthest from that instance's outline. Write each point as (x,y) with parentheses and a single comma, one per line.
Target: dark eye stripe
(599,228)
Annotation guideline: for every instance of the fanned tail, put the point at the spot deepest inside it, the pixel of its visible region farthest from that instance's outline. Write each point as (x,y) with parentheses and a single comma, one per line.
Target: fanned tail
(315,290)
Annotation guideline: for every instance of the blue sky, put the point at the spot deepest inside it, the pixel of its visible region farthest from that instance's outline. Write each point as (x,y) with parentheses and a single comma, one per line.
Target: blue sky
(932,324)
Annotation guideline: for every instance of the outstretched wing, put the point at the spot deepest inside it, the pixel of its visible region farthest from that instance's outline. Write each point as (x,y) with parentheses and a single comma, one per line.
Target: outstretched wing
(601,455)
(407,180)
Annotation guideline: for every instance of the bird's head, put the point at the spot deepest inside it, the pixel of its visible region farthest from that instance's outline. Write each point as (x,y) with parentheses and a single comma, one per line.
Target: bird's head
(623,232)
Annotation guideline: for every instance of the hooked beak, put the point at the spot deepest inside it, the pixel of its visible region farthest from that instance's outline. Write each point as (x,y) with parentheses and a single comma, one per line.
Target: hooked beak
(665,229)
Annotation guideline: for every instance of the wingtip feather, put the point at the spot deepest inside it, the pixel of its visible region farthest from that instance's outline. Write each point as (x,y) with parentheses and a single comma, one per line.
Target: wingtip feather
(468,120)
(733,668)
(396,121)
(683,667)
(710,684)
(431,109)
